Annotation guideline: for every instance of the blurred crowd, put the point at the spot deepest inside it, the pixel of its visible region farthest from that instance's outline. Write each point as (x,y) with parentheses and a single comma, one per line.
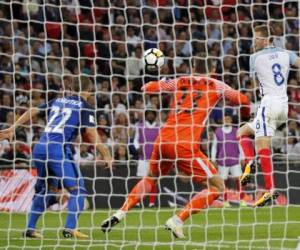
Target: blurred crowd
(45,43)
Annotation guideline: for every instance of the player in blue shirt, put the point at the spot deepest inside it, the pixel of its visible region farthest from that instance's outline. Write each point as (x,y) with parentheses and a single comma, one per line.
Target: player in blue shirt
(53,158)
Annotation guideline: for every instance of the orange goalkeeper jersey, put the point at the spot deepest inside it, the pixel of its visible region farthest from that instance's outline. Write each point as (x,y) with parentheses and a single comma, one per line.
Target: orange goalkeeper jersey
(194,98)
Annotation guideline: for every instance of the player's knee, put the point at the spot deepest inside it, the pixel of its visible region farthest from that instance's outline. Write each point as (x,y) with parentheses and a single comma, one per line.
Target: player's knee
(221,186)
(245,130)
(151,180)
(53,189)
(218,183)
(79,194)
(41,192)
(152,176)
(240,132)
(51,195)
(50,190)
(76,190)
(263,142)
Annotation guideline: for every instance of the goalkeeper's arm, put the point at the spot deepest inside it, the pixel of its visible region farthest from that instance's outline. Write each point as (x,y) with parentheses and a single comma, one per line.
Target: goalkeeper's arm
(235,97)
(158,86)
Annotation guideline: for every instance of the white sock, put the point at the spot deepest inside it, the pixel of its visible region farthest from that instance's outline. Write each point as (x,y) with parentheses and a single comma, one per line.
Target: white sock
(177,220)
(120,214)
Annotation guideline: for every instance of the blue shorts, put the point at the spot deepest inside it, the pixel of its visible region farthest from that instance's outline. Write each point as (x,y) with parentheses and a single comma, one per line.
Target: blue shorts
(56,167)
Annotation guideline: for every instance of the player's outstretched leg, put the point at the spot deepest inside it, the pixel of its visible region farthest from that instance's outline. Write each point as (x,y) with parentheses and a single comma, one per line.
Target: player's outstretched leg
(142,188)
(75,206)
(175,225)
(113,220)
(248,172)
(199,201)
(153,196)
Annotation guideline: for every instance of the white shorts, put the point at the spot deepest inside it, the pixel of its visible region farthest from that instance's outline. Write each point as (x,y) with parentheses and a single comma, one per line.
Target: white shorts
(270,115)
(234,171)
(143,167)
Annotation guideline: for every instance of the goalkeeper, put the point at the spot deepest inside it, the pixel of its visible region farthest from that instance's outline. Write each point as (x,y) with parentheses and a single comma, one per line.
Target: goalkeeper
(179,142)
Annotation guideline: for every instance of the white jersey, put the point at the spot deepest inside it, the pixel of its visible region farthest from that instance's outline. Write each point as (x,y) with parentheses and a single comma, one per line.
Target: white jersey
(271,67)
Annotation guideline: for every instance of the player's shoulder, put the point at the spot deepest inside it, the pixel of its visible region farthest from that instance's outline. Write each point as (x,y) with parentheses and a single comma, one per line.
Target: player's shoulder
(77,101)
(268,50)
(264,53)
(86,105)
(271,53)
(47,105)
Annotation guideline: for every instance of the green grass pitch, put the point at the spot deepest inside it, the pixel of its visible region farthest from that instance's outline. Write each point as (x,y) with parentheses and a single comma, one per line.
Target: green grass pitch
(233,228)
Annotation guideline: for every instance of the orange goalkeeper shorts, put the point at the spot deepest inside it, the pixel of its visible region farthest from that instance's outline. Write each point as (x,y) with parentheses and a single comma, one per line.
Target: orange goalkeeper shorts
(185,157)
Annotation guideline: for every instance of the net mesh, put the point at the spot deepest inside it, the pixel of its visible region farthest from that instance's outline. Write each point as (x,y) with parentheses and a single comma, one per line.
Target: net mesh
(45,45)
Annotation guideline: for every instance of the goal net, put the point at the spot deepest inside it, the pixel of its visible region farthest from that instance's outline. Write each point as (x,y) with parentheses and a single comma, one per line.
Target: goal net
(45,45)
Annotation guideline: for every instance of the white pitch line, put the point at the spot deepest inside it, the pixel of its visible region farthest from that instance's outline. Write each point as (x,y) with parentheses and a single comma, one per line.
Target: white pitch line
(174,243)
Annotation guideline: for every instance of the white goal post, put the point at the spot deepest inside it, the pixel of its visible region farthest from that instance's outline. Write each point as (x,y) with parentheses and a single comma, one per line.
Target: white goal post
(46,44)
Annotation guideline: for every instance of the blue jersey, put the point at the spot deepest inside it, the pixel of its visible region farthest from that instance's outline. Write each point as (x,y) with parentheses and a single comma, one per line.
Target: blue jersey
(66,116)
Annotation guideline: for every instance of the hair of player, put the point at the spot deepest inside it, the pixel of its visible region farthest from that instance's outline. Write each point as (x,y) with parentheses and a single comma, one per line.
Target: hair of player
(264,31)
(82,83)
(202,65)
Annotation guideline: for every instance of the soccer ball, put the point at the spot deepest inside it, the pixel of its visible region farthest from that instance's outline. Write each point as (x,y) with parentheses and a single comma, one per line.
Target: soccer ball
(153,59)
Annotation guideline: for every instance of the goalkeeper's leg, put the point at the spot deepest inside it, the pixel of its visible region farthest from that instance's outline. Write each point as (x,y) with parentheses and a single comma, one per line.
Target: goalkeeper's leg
(202,170)
(200,201)
(140,190)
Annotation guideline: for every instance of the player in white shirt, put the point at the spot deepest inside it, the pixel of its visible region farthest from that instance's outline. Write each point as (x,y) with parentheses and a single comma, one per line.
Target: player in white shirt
(269,68)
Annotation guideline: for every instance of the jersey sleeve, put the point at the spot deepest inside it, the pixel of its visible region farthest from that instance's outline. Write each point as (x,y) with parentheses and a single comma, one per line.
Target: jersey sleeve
(157,86)
(293,57)
(235,97)
(87,117)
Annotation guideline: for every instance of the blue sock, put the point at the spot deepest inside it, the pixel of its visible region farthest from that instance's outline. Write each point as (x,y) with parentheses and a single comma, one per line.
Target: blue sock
(75,206)
(40,202)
